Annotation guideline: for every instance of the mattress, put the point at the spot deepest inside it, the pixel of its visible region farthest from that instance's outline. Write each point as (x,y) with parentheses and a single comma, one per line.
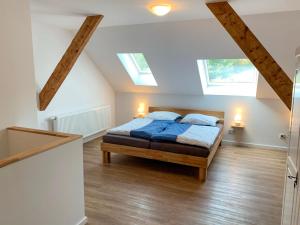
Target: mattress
(160,145)
(180,148)
(126,140)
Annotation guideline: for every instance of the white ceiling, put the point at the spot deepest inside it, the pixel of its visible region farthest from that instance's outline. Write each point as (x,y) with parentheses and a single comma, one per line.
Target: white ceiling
(70,13)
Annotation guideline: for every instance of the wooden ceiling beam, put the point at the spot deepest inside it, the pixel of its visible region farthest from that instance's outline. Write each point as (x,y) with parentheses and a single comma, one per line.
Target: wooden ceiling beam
(254,50)
(68,60)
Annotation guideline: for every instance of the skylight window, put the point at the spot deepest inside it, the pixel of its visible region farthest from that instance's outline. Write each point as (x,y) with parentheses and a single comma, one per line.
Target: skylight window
(137,68)
(228,77)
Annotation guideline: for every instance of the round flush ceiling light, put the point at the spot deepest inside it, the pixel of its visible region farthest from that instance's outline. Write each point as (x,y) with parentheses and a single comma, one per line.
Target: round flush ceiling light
(161,10)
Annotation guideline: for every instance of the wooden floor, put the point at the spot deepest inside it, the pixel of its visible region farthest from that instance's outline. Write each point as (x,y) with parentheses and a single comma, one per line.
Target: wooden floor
(244,186)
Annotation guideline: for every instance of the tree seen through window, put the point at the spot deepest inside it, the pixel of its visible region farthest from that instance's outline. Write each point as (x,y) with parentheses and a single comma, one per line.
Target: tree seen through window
(230,71)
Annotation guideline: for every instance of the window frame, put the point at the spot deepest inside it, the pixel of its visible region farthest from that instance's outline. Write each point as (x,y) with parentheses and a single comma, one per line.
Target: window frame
(224,88)
(141,72)
(138,76)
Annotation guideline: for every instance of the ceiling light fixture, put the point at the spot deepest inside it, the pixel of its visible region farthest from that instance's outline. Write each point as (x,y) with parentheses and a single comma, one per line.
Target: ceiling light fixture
(161,9)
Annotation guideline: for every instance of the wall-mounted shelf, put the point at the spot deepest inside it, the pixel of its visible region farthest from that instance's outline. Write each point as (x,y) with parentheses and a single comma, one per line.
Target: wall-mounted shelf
(240,126)
(136,117)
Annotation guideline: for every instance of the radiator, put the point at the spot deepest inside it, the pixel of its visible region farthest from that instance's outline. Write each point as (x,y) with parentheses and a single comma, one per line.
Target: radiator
(86,123)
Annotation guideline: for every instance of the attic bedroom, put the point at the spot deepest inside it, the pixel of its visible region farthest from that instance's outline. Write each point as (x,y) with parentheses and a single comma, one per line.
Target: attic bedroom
(149,112)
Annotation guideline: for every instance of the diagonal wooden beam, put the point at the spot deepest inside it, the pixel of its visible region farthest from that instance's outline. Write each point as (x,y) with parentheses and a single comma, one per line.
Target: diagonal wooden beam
(254,50)
(68,60)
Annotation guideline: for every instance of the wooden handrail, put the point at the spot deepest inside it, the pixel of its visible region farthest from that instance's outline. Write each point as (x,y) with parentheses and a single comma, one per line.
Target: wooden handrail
(68,60)
(254,50)
(26,153)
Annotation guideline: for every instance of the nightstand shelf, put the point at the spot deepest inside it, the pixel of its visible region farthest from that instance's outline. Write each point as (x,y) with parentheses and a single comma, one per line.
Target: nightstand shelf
(241,126)
(136,117)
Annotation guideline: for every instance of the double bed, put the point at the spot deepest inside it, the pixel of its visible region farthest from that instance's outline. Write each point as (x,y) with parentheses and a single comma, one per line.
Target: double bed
(161,146)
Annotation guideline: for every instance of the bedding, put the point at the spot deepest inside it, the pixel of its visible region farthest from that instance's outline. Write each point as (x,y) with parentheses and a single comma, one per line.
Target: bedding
(200,119)
(141,128)
(168,130)
(171,132)
(155,127)
(203,136)
(126,128)
(163,115)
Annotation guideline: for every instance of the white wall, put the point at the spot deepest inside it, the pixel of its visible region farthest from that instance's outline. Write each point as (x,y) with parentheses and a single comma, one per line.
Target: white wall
(4,148)
(17,86)
(264,118)
(85,86)
(45,189)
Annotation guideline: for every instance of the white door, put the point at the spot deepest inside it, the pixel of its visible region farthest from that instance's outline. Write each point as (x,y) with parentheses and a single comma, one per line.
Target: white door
(291,197)
(296,208)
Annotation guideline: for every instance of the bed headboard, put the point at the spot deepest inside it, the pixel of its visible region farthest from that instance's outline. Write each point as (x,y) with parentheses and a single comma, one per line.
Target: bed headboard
(183,111)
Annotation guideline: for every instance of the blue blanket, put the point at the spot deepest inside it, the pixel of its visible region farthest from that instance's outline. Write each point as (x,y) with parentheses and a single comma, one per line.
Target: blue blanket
(171,132)
(154,128)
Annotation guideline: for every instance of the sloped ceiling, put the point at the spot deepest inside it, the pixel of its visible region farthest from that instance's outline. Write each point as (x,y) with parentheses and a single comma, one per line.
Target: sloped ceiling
(173,43)
(172,49)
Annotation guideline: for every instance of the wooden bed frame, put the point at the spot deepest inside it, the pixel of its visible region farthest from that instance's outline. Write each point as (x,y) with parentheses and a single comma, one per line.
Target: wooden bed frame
(200,162)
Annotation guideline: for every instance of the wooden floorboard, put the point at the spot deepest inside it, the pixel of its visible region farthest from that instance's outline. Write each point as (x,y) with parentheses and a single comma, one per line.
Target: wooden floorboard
(244,186)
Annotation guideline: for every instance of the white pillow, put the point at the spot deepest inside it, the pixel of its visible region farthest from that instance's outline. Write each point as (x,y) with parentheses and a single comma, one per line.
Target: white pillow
(200,119)
(163,115)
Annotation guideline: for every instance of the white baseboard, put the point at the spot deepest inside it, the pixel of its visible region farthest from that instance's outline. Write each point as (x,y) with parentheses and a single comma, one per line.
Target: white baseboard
(94,136)
(225,142)
(254,145)
(83,221)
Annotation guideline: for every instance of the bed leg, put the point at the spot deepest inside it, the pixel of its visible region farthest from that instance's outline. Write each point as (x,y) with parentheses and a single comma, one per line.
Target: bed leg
(105,157)
(202,174)
(108,157)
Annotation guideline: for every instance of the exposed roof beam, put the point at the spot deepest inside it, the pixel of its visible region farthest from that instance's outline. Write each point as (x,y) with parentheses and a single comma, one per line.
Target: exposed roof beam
(68,60)
(254,50)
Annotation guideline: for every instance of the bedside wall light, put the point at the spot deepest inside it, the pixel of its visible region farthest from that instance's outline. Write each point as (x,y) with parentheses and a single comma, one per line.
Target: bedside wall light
(141,110)
(238,119)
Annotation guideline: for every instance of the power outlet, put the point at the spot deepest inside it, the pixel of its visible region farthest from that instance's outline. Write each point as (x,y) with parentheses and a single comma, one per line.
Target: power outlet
(283,136)
(231,131)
